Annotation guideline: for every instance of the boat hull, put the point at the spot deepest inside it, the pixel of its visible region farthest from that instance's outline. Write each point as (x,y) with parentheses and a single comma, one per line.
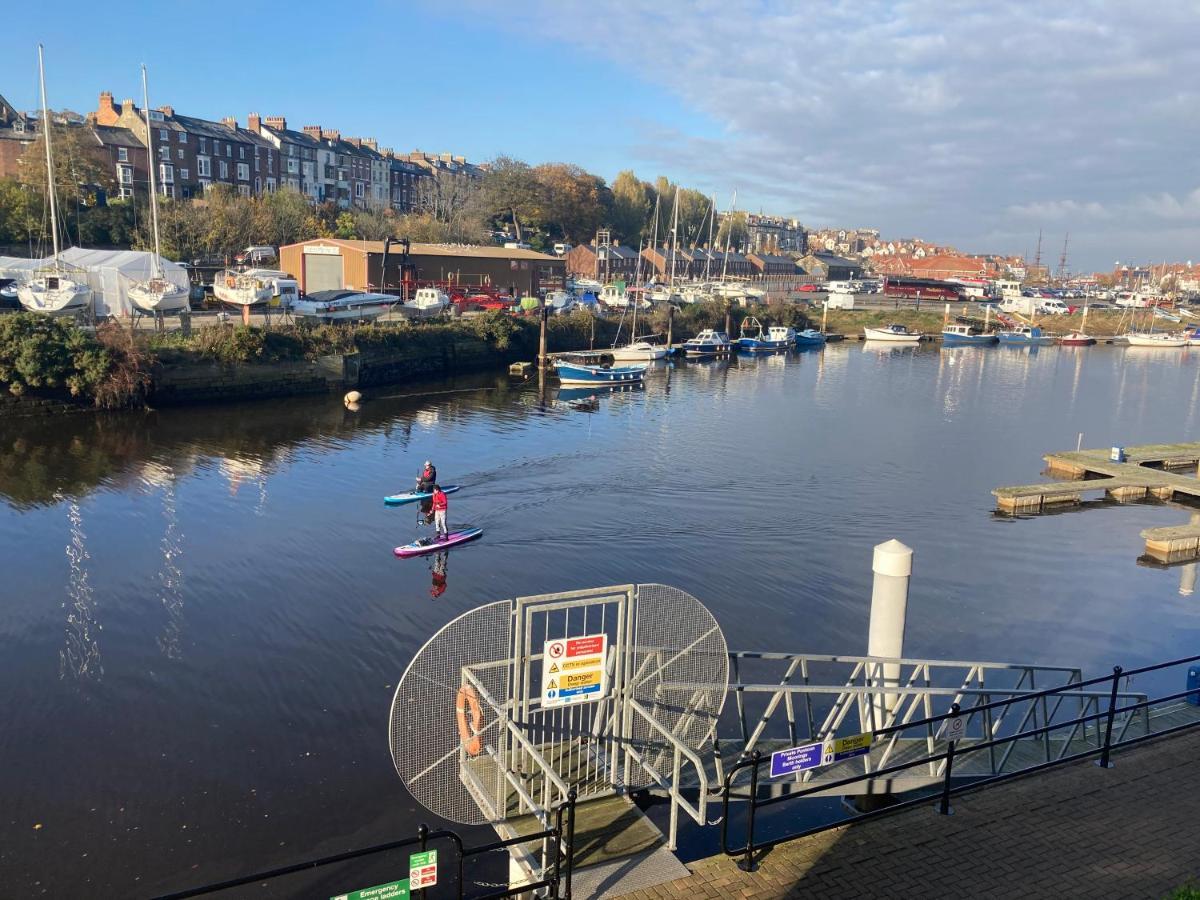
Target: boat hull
(1024,340)
(810,338)
(152,300)
(968,340)
(707,350)
(892,337)
(754,345)
(573,373)
(69,298)
(1148,340)
(639,352)
(1077,340)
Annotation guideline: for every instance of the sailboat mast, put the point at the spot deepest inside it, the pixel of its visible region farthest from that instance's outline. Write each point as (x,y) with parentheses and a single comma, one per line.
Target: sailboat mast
(674,241)
(712,218)
(49,156)
(729,237)
(151,165)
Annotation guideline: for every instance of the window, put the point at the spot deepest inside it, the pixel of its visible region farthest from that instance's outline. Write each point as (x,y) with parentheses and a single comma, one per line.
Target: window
(166,173)
(243,172)
(183,175)
(224,170)
(164,153)
(229,151)
(258,185)
(163,135)
(181,153)
(244,190)
(125,174)
(358,189)
(257,162)
(241,152)
(203,145)
(203,167)
(122,154)
(270,163)
(181,136)
(291,165)
(270,185)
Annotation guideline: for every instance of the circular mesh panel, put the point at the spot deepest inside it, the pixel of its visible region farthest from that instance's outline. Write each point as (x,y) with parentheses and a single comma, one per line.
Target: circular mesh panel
(426,748)
(679,674)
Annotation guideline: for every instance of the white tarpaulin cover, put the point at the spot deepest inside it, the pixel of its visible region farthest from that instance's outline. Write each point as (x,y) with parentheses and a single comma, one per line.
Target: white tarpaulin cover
(19,268)
(111,272)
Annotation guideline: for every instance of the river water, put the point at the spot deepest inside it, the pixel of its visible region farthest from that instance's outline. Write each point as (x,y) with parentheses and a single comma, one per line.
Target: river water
(203,624)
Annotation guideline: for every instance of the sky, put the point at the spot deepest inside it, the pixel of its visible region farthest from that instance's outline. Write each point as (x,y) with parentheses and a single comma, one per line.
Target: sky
(975,124)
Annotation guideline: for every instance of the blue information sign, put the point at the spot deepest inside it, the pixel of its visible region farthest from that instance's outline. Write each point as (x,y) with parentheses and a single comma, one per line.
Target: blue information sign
(795,759)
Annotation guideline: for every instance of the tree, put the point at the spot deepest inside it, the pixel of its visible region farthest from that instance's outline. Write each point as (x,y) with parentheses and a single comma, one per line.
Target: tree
(575,201)
(512,192)
(693,217)
(733,231)
(345,227)
(632,202)
(284,217)
(17,222)
(112,225)
(230,221)
(79,169)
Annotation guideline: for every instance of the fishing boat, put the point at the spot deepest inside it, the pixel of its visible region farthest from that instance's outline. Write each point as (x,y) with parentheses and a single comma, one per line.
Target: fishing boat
(595,369)
(156,294)
(757,339)
(1026,336)
(1156,339)
(896,334)
(810,337)
(240,288)
(707,343)
(54,288)
(956,335)
(1077,339)
(339,306)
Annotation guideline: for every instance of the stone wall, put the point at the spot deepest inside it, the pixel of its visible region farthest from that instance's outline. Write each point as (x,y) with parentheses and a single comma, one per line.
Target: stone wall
(216,383)
(30,405)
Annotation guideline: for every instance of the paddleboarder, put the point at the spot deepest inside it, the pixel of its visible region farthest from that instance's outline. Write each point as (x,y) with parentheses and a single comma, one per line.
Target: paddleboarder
(440,504)
(427,478)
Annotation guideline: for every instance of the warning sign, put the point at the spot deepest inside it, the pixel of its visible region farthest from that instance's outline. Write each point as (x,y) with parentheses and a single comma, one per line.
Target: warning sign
(574,670)
(422,869)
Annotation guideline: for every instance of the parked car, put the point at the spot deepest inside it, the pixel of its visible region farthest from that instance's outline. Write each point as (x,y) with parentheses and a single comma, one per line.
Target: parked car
(1052,306)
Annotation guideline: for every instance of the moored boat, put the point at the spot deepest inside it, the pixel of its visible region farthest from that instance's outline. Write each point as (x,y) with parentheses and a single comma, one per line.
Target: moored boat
(757,339)
(707,343)
(1156,339)
(1026,335)
(337,306)
(639,351)
(595,369)
(1077,339)
(896,334)
(810,337)
(957,335)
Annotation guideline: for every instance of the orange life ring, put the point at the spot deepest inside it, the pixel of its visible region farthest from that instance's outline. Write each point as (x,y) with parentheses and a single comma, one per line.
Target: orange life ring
(470,733)
(230,281)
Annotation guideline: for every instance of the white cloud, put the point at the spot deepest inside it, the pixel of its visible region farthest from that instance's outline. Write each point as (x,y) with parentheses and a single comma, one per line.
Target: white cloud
(920,116)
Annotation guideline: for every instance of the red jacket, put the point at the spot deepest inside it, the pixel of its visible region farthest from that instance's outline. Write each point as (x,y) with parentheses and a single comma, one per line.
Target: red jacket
(439,501)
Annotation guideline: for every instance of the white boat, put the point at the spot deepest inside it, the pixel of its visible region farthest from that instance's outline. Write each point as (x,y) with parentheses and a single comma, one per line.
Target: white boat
(707,343)
(285,290)
(613,296)
(583,285)
(240,288)
(343,305)
(896,334)
(428,300)
(53,289)
(1152,339)
(639,351)
(560,302)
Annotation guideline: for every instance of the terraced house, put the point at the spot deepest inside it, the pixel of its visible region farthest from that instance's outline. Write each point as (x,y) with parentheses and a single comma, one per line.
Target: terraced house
(194,154)
(299,168)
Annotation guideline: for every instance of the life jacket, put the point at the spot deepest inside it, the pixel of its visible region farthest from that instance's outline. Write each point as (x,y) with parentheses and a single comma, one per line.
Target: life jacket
(429,474)
(439,501)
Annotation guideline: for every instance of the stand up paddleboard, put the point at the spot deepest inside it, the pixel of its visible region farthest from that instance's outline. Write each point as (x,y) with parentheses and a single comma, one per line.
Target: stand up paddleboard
(433,545)
(414,496)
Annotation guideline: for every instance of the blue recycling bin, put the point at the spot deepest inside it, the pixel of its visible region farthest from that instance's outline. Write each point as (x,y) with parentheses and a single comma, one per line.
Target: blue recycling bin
(1117,454)
(1193,684)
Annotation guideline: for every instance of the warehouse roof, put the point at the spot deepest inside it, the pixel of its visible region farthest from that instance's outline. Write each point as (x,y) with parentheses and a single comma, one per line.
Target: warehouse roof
(432,249)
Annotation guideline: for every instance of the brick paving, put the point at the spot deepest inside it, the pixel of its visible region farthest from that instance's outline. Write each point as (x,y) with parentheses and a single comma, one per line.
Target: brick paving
(1075,831)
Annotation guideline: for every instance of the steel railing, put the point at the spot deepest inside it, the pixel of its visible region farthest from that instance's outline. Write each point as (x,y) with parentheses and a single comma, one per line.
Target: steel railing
(556,878)
(1102,718)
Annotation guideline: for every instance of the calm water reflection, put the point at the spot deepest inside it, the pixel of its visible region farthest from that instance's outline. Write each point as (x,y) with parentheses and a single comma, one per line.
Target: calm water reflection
(202,622)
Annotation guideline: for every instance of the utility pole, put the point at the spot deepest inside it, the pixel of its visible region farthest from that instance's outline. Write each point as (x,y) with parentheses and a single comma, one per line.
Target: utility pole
(1062,260)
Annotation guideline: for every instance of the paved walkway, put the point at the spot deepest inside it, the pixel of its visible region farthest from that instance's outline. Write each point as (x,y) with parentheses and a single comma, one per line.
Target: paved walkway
(1076,831)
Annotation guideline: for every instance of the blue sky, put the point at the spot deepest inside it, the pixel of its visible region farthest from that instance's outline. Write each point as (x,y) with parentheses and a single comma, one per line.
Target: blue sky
(969,123)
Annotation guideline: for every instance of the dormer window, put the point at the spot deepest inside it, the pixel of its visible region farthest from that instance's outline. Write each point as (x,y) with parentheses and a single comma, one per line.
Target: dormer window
(19,126)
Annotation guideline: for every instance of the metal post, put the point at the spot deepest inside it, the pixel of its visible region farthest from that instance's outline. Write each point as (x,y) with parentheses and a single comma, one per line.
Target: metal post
(570,840)
(1103,762)
(944,806)
(748,864)
(423,836)
(670,322)
(542,339)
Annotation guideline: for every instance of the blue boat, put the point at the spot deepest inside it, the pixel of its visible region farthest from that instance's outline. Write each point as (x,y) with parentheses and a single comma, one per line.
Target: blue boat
(707,343)
(966,335)
(759,340)
(1026,336)
(810,337)
(596,369)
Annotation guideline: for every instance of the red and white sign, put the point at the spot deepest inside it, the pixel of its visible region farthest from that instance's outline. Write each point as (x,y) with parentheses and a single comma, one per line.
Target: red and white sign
(574,670)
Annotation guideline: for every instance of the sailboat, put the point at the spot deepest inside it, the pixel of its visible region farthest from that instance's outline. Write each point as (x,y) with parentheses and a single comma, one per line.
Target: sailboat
(55,289)
(638,350)
(1154,338)
(157,294)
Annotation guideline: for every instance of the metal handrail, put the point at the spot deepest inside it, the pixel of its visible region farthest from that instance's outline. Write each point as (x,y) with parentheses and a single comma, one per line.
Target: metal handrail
(948,756)
(679,752)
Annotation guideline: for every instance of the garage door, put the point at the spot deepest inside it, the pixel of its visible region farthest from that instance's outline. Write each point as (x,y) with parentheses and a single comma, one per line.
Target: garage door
(322,273)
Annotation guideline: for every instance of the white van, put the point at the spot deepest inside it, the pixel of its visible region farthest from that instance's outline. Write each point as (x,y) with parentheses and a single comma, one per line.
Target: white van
(1021,305)
(839,301)
(257,255)
(1052,306)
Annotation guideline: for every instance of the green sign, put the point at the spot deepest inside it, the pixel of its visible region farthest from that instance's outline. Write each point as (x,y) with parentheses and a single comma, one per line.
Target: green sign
(422,869)
(393,890)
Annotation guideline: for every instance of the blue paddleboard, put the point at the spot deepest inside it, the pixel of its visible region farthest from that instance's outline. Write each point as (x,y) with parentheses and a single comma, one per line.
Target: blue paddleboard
(415,496)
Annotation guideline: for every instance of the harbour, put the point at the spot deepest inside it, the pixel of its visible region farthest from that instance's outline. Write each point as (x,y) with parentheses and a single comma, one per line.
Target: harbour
(212,672)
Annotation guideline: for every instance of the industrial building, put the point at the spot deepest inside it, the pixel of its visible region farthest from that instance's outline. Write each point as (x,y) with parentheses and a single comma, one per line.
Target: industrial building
(332,264)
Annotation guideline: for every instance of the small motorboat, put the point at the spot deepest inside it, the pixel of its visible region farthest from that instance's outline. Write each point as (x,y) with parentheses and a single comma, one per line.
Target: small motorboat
(707,343)
(1077,339)
(338,306)
(1027,336)
(757,339)
(958,335)
(596,369)
(810,337)
(896,334)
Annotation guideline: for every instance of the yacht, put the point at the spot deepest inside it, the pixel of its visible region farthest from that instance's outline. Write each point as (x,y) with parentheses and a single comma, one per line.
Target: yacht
(707,343)
(240,288)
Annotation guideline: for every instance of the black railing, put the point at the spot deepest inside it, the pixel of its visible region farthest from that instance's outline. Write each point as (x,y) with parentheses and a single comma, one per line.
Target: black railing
(556,878)
(751,848)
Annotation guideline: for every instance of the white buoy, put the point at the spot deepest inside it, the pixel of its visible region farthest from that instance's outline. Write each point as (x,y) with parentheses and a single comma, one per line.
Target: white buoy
(892,566)
(354,407)
(353,397)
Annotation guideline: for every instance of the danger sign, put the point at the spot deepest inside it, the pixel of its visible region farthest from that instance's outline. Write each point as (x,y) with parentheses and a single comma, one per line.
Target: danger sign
(573,670)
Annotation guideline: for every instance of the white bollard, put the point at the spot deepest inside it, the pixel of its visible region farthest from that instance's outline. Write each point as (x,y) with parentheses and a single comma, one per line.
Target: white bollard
(892,566)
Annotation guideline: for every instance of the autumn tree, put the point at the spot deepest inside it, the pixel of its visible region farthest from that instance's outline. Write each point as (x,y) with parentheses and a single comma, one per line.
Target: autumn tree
(632,203)
(511,192)
(733,231)
(576,202)
(284,217)
(79,167)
